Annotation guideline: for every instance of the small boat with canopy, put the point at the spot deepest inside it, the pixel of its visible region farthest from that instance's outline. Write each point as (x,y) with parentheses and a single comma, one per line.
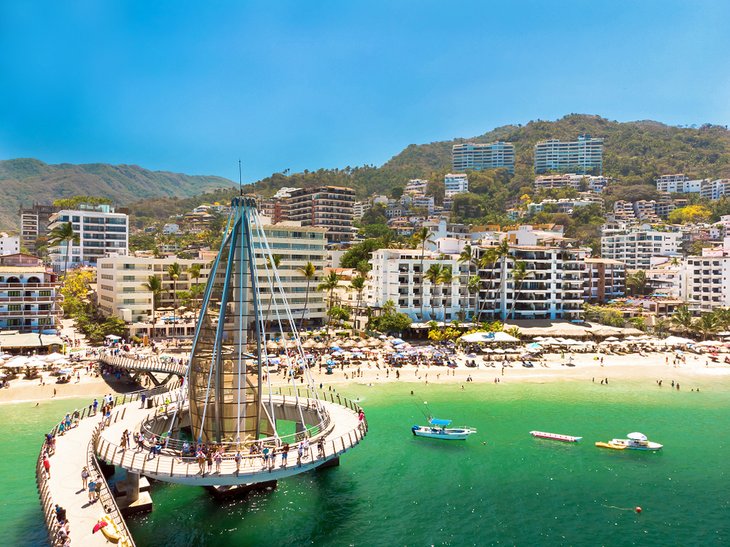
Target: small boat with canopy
(634,441)
(438,429)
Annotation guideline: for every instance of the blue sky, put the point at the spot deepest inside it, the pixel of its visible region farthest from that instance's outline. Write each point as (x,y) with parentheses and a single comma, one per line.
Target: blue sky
(192,86)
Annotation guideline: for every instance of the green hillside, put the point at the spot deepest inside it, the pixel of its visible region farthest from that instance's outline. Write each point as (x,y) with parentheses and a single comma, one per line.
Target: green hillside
(634,153)
(24,181)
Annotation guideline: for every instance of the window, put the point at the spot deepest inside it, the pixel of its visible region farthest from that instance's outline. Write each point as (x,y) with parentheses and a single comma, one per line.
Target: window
(13,307)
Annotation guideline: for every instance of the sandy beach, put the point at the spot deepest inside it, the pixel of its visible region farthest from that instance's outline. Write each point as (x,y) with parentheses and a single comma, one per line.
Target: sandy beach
(696,372)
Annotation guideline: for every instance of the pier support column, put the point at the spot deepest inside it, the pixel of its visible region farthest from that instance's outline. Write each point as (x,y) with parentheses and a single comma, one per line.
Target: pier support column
(300,430)
(132,487)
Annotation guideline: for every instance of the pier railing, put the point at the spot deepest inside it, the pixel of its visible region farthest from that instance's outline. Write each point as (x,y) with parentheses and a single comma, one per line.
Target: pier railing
(153,363)
(44,492)
(170,463)
(105,495)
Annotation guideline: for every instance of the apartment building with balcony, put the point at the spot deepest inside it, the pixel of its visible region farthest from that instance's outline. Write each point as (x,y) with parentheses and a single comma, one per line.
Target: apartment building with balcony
(584,155)
(34,224)
(101,231)
(398,275)
(553,287)
(455,184)
(479,156)
(605,279)
(9,245)
(571,180)
(121,279)
(635,247)
(120,284)
(705,279)
(328,207)
(29,297)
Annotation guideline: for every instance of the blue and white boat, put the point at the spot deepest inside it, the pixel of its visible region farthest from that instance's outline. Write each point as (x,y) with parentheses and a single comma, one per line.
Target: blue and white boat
(438,429)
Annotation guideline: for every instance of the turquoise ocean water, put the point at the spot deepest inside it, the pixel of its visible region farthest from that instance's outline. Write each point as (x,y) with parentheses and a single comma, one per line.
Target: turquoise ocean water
(501,487)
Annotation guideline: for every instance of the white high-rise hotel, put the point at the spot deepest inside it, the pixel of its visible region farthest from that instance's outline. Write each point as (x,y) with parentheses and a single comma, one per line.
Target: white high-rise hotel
(478,156)
(582,156)
(101,232)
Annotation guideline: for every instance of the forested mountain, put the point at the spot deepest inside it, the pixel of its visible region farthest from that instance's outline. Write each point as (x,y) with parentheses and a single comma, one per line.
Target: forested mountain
(24,181)
(634,153)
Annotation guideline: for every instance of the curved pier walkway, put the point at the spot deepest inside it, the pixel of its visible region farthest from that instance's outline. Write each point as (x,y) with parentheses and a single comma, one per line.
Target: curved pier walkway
(153,363)
(81,445)
(344,431)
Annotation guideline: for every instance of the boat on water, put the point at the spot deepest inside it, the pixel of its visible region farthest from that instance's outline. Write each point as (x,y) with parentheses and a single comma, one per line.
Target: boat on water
(634,441)
(438,429)
(555,436)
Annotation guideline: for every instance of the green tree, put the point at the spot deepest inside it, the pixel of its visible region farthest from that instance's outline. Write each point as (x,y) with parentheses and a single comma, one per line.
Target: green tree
(64,234)
(421,237)
(473,287)
(174,271)
(682,319)
(444,279)
(637,284)
(433,276)
(309,272)
(358,284)
(154,285)
(706,325)
(519,274)
(329,283)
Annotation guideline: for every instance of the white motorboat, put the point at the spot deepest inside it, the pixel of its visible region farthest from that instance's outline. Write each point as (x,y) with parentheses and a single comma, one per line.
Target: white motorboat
(438,429)
(634,441)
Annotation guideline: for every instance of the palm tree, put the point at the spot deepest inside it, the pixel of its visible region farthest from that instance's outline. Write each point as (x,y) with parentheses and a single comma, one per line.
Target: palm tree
(723,318)
(444,278)
(661,326)
(519,274)
(358,284)
(502,254)
(487,262)
(682,318)
(64,233)
(309,272)
(272,262)
(329,283)
(194,274)
(473,288)
(421,237)
(154,285)
(433,275)
(174,271)
(706,325)
(636,283)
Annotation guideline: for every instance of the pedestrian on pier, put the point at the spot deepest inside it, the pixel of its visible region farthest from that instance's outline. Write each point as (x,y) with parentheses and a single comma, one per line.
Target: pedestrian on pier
(47,466)
(123,440)
(237,459)
(200,457)
(300,453)
(97,488)
(284,454)
(209,460)
(85,478)
(218,459)
(92,489)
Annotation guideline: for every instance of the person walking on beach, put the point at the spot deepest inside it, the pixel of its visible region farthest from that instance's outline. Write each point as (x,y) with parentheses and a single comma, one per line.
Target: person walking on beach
(85,478)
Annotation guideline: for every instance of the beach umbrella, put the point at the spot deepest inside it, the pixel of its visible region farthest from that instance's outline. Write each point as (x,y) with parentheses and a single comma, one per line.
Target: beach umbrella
(16,362)
(272,345)
(611,339)
(53,357)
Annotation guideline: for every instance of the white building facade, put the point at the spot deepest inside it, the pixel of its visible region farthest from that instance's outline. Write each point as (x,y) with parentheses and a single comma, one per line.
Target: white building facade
(9,245)
(636,247)
(705,280)
(479,156)
(584,155)
(100,229)
(397,275)
(456,184)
